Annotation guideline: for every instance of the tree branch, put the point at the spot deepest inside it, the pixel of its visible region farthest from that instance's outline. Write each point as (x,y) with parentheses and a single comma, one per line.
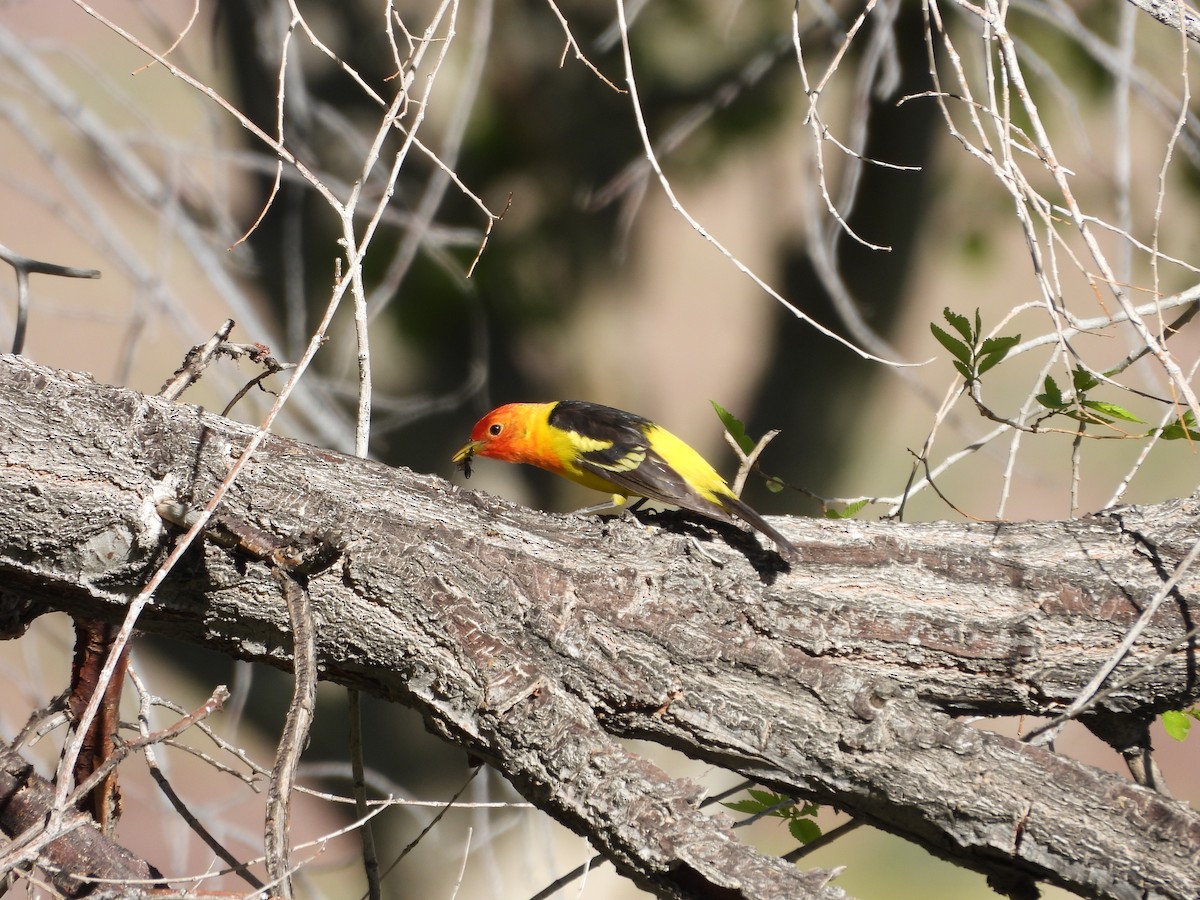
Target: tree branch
(534,641)
(1174,14)
(82,853)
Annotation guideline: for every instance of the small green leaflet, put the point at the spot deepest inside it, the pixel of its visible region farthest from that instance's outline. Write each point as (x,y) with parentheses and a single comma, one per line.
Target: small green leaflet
(1083,380)
(1178,722)
(800,820)
(759,802)
(735,426)
(849,512)
(805,831)
(995,349)
(1111,409)
(961,324)
(1051,397)
(957,348)
(1181,428)
(973,355)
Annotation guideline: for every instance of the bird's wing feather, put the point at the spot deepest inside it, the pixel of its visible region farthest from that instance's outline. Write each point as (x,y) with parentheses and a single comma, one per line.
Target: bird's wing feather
(615,445)
(656,479)
(753,519)
(605,440)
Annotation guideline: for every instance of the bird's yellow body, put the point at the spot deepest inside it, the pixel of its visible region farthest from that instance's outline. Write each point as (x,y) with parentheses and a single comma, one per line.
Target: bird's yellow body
(612,451)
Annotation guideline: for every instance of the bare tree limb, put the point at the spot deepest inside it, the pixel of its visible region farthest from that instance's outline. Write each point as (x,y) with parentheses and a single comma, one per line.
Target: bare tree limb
(1173,14)
(82,853)
(534,641)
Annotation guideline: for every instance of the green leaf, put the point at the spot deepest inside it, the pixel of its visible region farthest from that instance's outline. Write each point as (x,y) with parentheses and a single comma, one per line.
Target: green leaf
(1051,397)
(765,802)
(959,324)
(1175,433)
(987,362)
(992,344)
(805,831)
(735,426)
(964,371)
(748,807)
(1111,409)
(799,817)
(849,512)
(1176,724)
(767,799)
(994,350)
(1083,380)
(978,326)
(957,348)
(1087,417)
(775,484)
(1180,429)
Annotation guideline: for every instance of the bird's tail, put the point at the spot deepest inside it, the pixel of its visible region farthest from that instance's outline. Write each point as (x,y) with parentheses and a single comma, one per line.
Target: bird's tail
(750,517)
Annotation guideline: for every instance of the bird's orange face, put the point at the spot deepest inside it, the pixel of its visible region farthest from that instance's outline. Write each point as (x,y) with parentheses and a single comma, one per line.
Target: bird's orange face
(498,435)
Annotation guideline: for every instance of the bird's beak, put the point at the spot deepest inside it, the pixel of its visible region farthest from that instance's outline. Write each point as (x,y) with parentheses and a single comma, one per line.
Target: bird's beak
(468,451)
(462,458)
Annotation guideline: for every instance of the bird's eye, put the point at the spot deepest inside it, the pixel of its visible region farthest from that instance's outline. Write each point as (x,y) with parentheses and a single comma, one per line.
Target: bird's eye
(495,429)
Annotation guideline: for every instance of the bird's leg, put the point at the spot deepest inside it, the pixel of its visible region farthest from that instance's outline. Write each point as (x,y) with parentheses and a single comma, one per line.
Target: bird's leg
(617,503)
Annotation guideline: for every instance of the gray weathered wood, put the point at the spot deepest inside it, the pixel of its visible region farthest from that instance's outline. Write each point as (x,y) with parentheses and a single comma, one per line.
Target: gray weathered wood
(532,640)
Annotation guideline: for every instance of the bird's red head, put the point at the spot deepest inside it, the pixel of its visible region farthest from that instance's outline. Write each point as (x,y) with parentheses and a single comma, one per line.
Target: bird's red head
(502,434)
(494,435)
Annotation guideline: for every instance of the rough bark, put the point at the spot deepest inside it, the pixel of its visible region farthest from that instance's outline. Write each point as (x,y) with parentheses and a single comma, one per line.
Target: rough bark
(532,640)
(79,860)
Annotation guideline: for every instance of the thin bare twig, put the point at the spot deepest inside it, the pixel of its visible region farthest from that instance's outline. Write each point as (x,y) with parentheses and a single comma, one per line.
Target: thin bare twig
(24,267)
(665,184)
(1047,732)
(294,736)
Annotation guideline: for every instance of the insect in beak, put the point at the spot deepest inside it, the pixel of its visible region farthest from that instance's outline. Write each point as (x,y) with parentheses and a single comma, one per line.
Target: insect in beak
(462,458)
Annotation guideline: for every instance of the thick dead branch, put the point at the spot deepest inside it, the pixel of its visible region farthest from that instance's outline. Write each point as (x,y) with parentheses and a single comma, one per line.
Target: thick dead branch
(533,640)
(78,859)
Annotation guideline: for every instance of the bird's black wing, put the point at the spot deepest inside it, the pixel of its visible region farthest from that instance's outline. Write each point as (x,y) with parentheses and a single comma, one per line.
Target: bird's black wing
(606,437)
(622,455)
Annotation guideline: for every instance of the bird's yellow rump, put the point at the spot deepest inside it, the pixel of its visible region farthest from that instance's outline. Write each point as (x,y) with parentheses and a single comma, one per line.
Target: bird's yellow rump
(612,451)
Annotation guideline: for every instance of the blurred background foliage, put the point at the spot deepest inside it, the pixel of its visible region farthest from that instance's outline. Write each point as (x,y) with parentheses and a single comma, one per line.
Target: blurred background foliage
(564,301)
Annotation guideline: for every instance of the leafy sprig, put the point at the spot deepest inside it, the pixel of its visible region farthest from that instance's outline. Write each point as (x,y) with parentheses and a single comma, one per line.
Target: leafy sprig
(800,818)
(973,353)
(736,429)
(1079,406)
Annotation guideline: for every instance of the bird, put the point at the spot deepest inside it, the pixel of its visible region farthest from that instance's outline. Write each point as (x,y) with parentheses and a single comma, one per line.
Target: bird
(610,450)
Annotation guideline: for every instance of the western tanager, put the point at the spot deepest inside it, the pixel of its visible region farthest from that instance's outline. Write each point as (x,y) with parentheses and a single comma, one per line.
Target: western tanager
(613,451)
